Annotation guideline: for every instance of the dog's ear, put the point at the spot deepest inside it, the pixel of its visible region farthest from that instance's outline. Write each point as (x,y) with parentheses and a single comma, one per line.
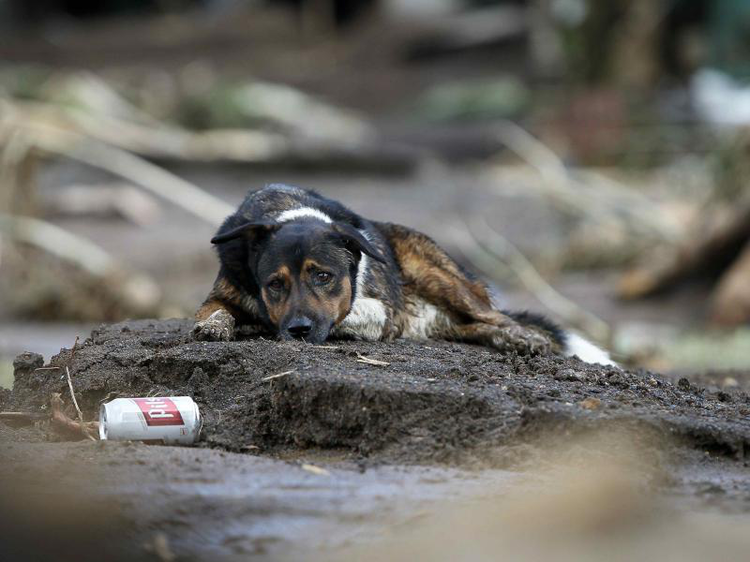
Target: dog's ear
(249,230)
(355,241)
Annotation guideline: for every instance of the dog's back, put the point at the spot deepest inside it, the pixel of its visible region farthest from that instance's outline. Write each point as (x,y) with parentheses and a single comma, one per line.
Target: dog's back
(284,203)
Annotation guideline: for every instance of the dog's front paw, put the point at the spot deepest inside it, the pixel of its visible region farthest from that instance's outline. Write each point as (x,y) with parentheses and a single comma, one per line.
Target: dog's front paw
(522,340)
(217,327)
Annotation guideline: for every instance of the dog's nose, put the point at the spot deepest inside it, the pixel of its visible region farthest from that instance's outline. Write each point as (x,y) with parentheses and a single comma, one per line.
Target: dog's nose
(300,327)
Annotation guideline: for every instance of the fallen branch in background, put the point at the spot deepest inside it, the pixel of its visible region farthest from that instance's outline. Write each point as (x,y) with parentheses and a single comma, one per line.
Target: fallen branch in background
(720,246)
(159,181)
(121,200)
(730,300)
(137,291)
(587,194)
(160,140)
(113,145)
(58,242)
(496,251)
(718,240)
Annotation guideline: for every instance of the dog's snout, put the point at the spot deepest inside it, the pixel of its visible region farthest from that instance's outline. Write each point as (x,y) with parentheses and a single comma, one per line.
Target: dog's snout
(300,327)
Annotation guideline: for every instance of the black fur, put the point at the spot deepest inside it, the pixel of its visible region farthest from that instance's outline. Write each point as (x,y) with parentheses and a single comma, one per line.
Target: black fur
(271,265)
(526,318)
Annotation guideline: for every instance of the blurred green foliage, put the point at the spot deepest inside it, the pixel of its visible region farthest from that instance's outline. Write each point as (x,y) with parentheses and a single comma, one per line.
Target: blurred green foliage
(500,97)
(6,374)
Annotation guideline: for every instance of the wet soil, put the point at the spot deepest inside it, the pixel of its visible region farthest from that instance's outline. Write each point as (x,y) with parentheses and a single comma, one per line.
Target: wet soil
(432,402)
(387,442)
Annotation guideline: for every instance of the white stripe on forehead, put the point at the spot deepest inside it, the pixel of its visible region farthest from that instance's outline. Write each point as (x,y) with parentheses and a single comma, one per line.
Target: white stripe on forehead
(293,214)
(364,262)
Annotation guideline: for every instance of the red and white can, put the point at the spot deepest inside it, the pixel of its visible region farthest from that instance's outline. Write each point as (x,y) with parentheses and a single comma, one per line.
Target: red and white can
(173,419)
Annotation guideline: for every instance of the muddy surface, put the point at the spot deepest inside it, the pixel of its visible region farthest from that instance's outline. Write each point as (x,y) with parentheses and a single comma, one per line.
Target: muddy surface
(432,402)
(386,442)
(217,505)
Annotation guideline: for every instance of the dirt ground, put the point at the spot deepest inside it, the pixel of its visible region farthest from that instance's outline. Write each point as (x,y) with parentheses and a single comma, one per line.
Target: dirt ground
(335,451)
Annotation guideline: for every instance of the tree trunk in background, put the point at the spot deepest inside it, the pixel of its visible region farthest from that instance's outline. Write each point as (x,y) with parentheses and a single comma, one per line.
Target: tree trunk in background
(731,298)
(17,175)
(634,63)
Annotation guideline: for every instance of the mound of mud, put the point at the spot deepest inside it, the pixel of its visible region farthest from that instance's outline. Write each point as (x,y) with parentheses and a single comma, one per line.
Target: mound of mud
(421,402)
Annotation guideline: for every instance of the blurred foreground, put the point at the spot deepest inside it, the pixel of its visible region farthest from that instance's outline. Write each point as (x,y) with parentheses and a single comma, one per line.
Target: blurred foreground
(600,496)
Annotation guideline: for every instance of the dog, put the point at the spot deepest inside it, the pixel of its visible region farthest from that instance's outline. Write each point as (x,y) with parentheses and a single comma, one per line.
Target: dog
(301,266)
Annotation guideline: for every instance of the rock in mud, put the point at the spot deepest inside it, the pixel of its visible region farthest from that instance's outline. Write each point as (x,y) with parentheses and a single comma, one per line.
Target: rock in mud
(419,402)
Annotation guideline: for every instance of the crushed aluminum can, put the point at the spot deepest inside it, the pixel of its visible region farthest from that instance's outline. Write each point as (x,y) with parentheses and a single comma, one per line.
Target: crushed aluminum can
(173,419)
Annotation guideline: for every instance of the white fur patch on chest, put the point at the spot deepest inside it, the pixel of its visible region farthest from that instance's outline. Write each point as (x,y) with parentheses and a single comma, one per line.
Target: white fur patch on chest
(424,321)
(367,317)
(365,321)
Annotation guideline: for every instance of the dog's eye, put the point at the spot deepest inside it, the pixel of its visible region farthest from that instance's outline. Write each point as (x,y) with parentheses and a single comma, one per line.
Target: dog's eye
(322,277)
(275,285)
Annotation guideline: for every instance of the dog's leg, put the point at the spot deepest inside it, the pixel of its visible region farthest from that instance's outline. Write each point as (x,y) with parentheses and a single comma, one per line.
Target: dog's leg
(431,276)
(214,322)
(224,308)
(516,338)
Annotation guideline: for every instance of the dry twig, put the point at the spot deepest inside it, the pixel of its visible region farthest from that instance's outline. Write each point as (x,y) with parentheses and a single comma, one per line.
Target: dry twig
(285,373)
(495,251)
(367,361)
(138,170)
(68,427)
(315,469)
(21,419)
(58,242)
(73,395)
(587,194)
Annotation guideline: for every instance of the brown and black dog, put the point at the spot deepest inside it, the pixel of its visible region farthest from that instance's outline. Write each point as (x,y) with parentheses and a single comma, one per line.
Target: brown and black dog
(298,265)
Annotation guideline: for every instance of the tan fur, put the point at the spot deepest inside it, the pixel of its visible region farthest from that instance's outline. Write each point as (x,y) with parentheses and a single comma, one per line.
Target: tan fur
(208,308)
(431,275)
(278,309)
(333,306)
(343,302)
(442,302)
(223,296)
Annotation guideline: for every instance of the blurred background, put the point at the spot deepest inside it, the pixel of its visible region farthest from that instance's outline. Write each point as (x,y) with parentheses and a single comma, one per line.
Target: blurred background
(587,157)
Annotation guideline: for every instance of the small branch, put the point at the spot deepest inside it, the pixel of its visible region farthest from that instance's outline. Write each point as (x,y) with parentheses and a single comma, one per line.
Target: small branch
(496,248)
(73,351)
(73,395)
(367,361)
(149,176)
(70,382)
(59,242)
(599,199)
(21,419)
(285,373)
(135,289)
(68,427)
(315,469)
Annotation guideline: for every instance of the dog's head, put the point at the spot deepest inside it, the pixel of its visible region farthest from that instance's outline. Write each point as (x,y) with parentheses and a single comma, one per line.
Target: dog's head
(304,271)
